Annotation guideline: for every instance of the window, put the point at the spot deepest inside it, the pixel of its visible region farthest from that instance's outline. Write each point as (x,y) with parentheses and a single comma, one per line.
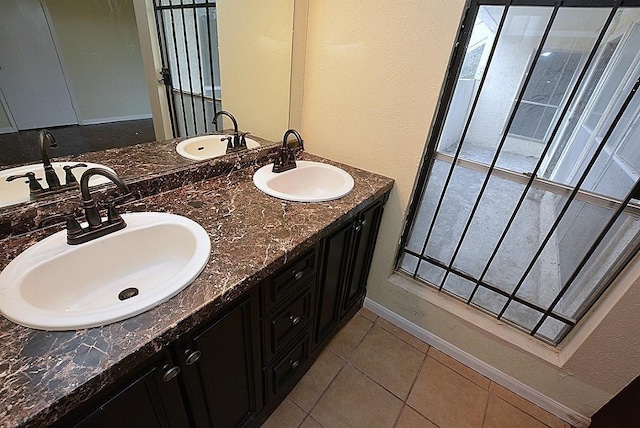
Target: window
(525,206)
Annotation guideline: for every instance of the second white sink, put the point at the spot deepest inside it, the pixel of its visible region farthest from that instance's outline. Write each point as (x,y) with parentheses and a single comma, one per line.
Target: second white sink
(308,182)
(208,146)
(56,286)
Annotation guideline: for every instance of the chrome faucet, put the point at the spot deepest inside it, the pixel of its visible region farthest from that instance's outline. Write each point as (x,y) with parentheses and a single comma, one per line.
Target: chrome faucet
(287,159)
(238,141)
(96,226)
(45,138)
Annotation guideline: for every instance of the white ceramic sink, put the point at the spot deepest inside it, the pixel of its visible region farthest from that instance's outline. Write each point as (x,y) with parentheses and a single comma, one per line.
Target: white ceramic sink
(308,182)
(208,146)
(56,286)
(17,191)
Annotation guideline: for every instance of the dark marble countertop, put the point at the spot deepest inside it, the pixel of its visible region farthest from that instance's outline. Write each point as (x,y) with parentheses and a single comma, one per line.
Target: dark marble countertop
(150,167)
(43,375)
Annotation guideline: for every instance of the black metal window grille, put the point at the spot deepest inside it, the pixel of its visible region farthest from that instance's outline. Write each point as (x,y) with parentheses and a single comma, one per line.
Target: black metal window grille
(188,36)
(532,232)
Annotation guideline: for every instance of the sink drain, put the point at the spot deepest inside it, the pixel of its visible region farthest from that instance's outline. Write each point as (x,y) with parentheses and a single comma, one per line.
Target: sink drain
(128,293)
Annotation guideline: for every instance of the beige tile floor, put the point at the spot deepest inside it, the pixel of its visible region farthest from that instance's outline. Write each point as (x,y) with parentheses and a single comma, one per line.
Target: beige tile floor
(373,374)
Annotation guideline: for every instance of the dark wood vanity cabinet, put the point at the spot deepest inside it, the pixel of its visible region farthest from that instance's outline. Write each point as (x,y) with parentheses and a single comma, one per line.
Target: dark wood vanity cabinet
(210,378)
(236,368)
(221,367)
(150,397)
(345,259)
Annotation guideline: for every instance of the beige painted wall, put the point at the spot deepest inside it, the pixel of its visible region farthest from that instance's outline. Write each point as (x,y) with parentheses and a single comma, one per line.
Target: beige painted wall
(373,75)
(100,50)
(255,65)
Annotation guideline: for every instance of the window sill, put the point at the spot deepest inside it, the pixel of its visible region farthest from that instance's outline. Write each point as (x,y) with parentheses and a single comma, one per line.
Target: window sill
(478,319)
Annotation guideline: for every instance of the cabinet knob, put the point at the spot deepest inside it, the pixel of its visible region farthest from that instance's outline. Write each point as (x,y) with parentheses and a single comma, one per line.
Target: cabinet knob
(294,364)
(170,373)
(192,356)
(298,275)
(295,320)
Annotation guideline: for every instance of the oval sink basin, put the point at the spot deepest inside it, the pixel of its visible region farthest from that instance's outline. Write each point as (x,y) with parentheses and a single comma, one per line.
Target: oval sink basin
(56,286)
(208,146)
(308,182)
(17,191)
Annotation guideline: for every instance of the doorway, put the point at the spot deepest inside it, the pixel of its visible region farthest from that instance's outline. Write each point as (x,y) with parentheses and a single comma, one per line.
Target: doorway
(32,80)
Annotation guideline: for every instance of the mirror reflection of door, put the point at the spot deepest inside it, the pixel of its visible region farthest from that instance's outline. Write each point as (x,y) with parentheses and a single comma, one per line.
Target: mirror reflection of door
(31,76)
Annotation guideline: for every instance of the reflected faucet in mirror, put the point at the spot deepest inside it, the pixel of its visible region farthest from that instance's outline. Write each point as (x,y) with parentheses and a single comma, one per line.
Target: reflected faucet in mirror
(46,139)
(96,227)
(238,142)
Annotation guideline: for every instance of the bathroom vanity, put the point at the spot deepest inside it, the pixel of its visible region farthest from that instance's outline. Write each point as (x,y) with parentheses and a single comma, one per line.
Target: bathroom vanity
(282,279)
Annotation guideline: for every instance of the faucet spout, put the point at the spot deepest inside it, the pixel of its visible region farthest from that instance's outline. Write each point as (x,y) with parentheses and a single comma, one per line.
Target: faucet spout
(230,116)
(45,138)
(97,227)
(86,176)
(287,160)
(238,141)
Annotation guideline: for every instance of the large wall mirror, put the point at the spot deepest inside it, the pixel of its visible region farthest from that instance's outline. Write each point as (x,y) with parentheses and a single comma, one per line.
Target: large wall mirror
(96,64)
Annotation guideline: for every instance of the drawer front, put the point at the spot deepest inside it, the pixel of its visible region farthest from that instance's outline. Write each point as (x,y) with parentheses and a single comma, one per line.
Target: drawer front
(288,322)
(286,371)
(289,280)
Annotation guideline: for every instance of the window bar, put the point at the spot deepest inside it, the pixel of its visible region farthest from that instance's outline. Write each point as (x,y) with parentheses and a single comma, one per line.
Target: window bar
(175,49)
(464,133)
(213,80)
(556,128)
(200,70)
(493,288)
(634,191)
(565,207)
(186,47)
(503,139)
(162,39)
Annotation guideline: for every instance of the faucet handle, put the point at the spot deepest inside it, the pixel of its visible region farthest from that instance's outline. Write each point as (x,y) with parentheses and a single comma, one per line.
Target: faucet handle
(34,187)
(113,216)
(68,175)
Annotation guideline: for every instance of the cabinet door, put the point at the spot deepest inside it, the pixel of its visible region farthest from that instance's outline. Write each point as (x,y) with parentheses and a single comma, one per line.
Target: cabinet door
(364,241)
(151,398)
(334,265)
(221,367)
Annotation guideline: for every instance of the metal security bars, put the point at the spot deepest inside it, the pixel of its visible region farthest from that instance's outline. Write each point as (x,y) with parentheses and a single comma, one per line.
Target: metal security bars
(532,230)
(188,36)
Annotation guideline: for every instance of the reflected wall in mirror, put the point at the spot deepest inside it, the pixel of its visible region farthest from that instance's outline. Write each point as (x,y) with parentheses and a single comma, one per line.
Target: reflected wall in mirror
(82,69)
(69,62)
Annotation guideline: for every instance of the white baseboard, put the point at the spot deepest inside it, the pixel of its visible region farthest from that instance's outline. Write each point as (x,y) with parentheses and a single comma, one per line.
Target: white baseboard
(115,119)
(7,130)
(514,385)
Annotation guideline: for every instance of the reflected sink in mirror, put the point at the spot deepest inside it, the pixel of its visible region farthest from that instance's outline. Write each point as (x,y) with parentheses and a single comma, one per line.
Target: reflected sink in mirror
(17,191)
(208,146)
(308,182)
(56,286)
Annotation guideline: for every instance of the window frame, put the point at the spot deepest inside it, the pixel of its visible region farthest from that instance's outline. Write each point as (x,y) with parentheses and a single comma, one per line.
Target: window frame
(431,154)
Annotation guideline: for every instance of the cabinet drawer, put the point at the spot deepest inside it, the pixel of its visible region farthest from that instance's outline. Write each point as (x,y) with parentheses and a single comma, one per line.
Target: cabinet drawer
(286,323)
(284,372)
(288,280)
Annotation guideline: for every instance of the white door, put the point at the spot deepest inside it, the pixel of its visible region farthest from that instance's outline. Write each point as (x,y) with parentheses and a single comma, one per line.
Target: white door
(31,76)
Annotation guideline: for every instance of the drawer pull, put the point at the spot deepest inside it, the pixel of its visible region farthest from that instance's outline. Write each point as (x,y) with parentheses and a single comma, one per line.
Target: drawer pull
(171,373)
(298,275)
(192,356)
(295,320)
(294,364)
